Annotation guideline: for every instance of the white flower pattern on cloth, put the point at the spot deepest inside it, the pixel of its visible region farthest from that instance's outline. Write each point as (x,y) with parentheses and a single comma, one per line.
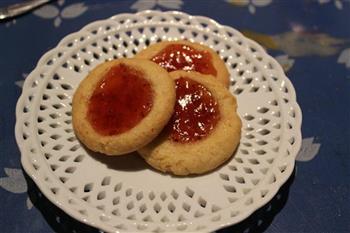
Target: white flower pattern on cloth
(337,3)
(20,83)
(252,4)
(285,61)
(15,182)
(344,57)
(308,150)
(53,12)
(141,5)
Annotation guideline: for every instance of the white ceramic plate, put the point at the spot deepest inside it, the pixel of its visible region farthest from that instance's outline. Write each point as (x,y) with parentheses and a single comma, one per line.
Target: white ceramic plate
(124,194)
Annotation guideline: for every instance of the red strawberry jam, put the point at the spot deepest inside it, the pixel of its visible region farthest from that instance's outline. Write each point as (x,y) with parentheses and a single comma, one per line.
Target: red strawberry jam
(183,57)
(120,101)
(196,112)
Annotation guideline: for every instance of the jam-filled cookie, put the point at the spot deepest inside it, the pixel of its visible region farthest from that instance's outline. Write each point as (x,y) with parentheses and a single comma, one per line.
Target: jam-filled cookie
(188,56)
(122,105)
(203,132)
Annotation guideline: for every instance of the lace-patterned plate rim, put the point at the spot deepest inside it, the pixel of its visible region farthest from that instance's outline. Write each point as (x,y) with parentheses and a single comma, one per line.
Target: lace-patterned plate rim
(41,68)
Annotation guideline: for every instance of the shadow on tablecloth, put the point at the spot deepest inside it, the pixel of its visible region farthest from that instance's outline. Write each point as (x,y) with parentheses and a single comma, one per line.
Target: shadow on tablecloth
(60,222)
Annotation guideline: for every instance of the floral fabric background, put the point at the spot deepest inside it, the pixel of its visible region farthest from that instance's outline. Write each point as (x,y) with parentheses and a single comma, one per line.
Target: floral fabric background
(309,38)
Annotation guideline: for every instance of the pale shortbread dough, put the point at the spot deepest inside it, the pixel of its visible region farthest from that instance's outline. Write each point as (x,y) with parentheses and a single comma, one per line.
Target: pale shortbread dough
(145,131)
(206,154)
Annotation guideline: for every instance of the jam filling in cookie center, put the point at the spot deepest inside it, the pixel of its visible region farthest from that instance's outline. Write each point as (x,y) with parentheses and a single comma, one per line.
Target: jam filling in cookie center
(120,101)
(196,112)
(183,57)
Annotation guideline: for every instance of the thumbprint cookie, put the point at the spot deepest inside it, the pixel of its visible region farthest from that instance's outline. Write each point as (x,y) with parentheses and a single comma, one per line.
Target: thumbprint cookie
(187,56)
(203,132)
(122,105)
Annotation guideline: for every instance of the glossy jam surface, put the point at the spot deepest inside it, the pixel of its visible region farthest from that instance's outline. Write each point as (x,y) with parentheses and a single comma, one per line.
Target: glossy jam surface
(183,57)
(196,112)
(120,101)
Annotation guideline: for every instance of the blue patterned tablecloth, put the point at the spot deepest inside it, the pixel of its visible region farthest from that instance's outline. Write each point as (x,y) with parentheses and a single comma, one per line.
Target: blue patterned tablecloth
(311,40)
